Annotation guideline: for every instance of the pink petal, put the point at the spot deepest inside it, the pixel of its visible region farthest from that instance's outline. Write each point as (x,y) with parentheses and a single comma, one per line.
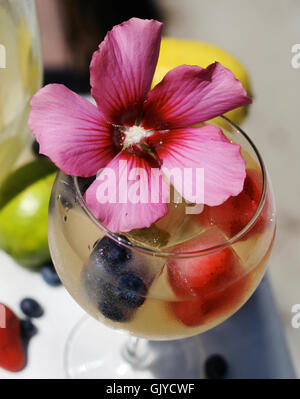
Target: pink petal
(204,147)
(111,199)
(123,67)
(189,95)
(71,131)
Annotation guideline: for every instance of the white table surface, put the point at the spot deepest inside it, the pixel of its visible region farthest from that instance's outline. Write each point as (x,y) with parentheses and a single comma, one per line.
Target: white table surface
(46,349)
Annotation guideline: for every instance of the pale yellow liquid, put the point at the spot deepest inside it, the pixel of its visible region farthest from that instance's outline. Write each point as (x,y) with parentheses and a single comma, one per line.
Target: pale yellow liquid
(18,82)
(72,236)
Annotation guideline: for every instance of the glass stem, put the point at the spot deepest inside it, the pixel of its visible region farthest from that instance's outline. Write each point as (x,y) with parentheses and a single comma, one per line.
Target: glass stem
(135,350)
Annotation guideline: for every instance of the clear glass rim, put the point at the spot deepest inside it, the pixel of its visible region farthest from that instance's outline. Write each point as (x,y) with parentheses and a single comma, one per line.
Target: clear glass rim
(189,254)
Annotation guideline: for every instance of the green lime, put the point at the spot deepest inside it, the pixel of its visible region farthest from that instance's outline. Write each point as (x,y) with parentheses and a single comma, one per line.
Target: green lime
(24,200)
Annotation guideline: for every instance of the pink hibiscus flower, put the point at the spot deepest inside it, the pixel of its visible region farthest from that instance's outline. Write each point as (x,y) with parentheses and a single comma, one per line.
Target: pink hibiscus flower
(150,130)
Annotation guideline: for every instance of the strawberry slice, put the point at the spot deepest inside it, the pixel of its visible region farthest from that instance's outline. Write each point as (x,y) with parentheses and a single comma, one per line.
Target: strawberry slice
(201,275)
(235,213)
(208,285)
(205,308)
(12,356)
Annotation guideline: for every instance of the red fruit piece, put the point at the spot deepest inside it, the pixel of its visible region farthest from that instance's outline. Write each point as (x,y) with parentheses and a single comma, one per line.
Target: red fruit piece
(205,308)
(204,274)
(235,213)
(208,285)
(12,356)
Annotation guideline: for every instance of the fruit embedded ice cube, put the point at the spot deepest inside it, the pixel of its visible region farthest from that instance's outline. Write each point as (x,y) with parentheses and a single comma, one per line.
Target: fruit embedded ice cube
(116,280)
(130,290)
(110,257)
(207,285)
(194,312)
(12,356)
(118,301)
(201,275)
(235,213)
(194,277)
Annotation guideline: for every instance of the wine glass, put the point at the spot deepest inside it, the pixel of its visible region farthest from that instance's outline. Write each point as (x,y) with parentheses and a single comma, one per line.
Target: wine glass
(20,77)
(182,276)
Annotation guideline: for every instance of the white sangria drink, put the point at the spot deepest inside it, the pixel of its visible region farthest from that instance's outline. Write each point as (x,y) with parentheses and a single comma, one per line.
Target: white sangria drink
(160,222)
(183,275)
(20,77)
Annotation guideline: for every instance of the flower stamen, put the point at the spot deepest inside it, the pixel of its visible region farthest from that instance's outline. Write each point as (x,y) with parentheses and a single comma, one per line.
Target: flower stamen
(135,135)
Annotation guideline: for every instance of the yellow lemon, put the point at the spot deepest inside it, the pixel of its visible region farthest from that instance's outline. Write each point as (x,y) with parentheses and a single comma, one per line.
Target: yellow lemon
(175,52)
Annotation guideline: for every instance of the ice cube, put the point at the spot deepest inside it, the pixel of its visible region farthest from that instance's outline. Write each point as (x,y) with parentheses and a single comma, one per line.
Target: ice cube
(235,213)
(152,237)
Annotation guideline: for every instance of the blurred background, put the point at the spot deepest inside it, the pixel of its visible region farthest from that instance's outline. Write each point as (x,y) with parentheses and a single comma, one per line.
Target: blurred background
(260,34)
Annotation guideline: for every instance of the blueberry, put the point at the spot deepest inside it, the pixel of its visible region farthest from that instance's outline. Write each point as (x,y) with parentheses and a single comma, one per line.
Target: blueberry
(215,367)
(110,283)
(130,290)
(111,255)
(31,308)
(113,312)
(28,329)
(102,293)
(50,276)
